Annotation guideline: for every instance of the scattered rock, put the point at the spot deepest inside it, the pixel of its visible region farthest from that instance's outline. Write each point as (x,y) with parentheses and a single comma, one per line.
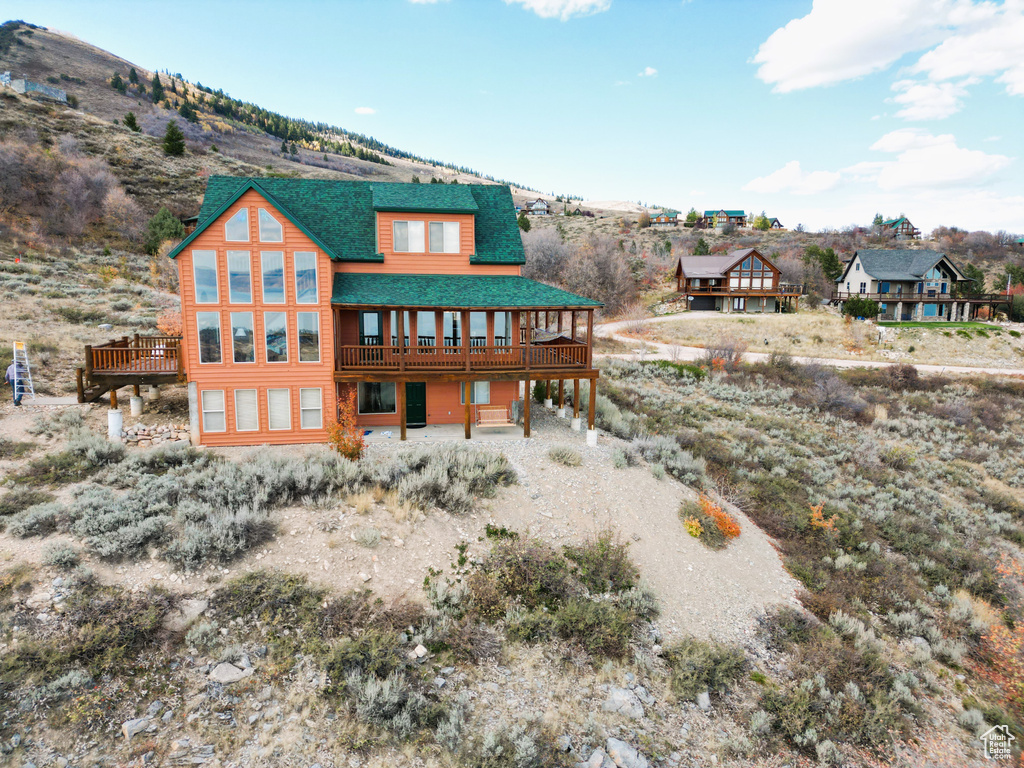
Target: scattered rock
(704,700)
(132,727)
(563,743)
(420,651)
(625,756)
(598,759)
(187,612)
(226,674)
(624,702)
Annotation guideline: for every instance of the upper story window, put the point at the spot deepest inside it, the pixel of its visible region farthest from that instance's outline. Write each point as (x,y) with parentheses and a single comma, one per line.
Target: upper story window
(271,230)
(272,274)
(856,267)
(305,278)
(444,237)
(239,277)
(236,229)
(409,237)
(204,273)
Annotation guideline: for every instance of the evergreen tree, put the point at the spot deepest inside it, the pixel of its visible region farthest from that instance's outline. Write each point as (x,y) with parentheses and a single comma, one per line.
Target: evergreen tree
(294,151)
(524,222)
(174,140)
(284,147)
(163,226)
(118,84)
(188,112)
(825,258)
(131,123)
(133,76)
(157,88)
(701,248)
(877,221)
(692,216)
(762,222)
(415,179)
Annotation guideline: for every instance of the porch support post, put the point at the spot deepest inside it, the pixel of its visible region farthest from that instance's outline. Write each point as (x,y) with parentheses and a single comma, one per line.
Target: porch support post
(590,338)
(547,392)
(80,384)
(402,413)
(469,408)
(526,409)
(529,333)
(561,398)
(135,388)
(575,423)
(573,323)
(591,431)
(465,336)
(899,311)
(559,325)
(113,398)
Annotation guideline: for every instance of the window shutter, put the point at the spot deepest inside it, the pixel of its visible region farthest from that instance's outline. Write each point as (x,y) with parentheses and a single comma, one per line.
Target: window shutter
(279,407)
(246,410)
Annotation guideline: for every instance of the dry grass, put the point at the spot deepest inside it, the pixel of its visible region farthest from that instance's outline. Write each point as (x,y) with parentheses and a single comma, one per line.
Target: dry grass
(362,502)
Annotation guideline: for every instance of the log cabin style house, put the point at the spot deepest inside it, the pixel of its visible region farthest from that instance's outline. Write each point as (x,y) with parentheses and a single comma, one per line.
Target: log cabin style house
(722,218)
(901,229)
(296,293)
(739,281)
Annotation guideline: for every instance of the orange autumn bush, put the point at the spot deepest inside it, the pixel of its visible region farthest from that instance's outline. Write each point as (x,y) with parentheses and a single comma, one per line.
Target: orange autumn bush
(725,522)
(819,521)
(343,435)
(707,521)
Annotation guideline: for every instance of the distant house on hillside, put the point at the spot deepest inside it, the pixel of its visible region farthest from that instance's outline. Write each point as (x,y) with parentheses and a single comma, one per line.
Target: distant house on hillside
(909,284)
(740,281)
(775,223)
(902,227)
(722,218)
(665,219)
(538,207)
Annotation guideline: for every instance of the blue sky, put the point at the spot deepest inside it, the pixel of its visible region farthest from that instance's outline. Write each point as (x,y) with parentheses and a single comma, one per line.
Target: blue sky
(820,113)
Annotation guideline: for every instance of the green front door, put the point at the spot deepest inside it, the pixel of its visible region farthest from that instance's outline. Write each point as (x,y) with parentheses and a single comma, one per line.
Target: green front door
(416,404)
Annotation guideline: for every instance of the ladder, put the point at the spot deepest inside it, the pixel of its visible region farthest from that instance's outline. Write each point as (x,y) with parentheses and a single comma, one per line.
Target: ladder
(23,385)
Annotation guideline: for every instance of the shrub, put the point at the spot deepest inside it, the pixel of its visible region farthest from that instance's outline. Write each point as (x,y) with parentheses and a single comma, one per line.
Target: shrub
(368,537)
(162,227)
(19,499)
(603,564)
(624,457)
(391,704)
(565,455)
(696,666)
(60,554)
(10,449)
(531,572)
(858,306)
(693,526)
(901,376)
(203,636)
(373,653)
(508,746)
(540,391)
(707,521)
(724,353)
(678,462)
(38,520)
(343,434)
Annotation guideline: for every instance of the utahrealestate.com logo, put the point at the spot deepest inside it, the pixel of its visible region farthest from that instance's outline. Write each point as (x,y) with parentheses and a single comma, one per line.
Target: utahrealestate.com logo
(998,742)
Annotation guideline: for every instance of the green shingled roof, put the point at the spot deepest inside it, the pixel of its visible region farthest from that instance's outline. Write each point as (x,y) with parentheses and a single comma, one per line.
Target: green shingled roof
(429,198)
(727,213)
(461,291)
(340,215)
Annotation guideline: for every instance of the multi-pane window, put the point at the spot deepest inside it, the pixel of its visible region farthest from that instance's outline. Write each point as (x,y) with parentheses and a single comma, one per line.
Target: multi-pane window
(242,342)
(863,287)
(279,409)
(247,416)
(271,230)
(309,337)
(377,397)
(444,237)
(208,330)
(409,237)
(311,415)
(272,276)
(370,332)
(275,326)
(204,273)
(239,277)
(236,229)
(502,329)
(213,410)
(305,278)
(479,393)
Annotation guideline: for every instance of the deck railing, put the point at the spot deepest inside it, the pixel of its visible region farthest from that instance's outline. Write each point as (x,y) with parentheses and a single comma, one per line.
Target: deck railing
(132,355)
(457,358)
(920,296)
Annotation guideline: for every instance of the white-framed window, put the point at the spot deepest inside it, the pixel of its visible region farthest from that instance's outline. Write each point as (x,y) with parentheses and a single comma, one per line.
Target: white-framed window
(272,276)
(480,393)
(734,282)
(744,282)
(377,397)
(239,277)
(311,413)
(856,266)
(275,328)
(208,331)
(755,282)
(309,336)
(444,237)
(279,409)
(409,237)
(236,229)
(213,410)
(247,410)
(271,230)
(863,287)
(204,275)
(305,278)
(243,344)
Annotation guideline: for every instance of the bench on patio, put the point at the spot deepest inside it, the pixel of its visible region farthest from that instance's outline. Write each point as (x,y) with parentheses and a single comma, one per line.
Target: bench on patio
(493,416)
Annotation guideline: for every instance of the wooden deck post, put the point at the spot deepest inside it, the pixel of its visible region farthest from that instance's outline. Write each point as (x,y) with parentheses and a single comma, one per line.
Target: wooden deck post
(573,324)
(590,339)
(113,398)
(559,324)
(575,398)
(88,361)
(526,409)
(465,342)
(80,385)
(400,319)
(593,404)
(135,390)
(401,408)
(561,397)
(529,333)
(469,408)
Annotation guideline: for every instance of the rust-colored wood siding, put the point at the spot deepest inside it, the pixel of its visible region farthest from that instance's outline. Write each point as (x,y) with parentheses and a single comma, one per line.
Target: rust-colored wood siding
(228,376)
(444,405)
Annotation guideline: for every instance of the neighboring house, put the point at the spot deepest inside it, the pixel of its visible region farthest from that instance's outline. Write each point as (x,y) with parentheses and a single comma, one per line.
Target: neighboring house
(297,293)
(722,218)
(665,219)
(909,284)
(902,227)
(775,223)
(538,207)
(740,281)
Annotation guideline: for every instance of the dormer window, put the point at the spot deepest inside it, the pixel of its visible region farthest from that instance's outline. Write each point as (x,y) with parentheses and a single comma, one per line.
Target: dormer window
(271,230)
(409,237)
(236,230)
(444,237)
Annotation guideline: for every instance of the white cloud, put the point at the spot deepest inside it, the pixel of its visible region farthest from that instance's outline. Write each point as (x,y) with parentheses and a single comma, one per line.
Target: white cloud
(924,161)
(563,9)
(365,111)
(790,178)
(648,72)
(928,100)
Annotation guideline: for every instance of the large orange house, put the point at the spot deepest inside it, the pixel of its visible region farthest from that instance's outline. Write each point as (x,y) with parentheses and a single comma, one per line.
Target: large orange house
(296,292)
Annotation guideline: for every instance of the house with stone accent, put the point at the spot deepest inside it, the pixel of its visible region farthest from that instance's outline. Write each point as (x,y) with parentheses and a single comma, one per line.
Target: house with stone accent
(739,281)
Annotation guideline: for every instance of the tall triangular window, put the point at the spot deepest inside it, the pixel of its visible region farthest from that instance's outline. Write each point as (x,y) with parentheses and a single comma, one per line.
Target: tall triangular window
(236,229)
(271,230)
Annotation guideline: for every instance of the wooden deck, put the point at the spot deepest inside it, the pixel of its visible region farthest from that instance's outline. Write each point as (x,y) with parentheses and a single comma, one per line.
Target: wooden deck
(130,360)
(563,357)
